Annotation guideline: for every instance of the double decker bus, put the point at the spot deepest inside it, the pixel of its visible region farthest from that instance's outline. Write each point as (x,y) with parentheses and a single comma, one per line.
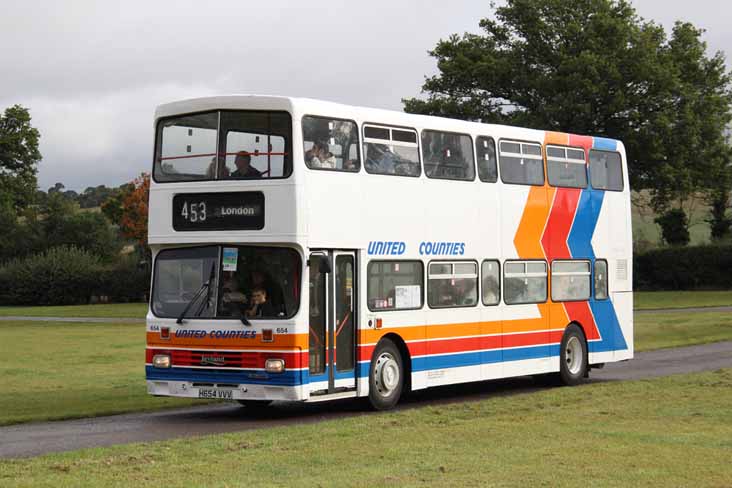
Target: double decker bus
(307,250)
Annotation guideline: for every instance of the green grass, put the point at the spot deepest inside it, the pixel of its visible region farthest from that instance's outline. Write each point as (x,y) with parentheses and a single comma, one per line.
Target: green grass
(118,310)
(673,431)
(644,300)
(57,371)
(658,331)
(66,370)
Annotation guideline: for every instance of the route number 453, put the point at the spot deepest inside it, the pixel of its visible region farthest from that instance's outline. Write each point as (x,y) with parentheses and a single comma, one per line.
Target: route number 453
(194,212)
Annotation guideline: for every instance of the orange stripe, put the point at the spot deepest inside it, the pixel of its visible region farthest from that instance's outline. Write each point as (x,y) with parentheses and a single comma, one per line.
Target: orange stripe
(280,340)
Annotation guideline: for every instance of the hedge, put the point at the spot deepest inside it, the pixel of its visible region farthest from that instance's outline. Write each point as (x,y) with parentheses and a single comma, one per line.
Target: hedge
(68,276)
(684,268)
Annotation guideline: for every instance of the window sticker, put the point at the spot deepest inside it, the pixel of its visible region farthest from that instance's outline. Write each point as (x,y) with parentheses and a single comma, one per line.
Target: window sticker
(408,296)
(231,257)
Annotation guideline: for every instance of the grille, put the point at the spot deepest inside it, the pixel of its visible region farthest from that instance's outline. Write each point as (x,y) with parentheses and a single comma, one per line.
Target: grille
(218,359)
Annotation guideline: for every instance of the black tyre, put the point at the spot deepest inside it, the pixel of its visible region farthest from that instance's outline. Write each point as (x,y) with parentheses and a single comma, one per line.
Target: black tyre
(573,356)
(386,376)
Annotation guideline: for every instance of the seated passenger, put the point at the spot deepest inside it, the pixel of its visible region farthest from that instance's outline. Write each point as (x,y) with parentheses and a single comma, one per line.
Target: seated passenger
(243,167)
(319,157)
(274,291)
(259,307)
(211,170)
(232,300)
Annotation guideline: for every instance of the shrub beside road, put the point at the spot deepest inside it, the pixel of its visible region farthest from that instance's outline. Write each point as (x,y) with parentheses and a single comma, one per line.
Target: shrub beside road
(672,431)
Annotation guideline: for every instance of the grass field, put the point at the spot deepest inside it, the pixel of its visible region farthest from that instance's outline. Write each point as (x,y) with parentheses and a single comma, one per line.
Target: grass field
(117,310)
(644,300)
(56,371)
(658,331)
(68,370)
(672,431)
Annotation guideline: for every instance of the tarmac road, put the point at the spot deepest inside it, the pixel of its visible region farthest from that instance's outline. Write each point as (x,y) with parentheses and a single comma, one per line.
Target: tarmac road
(26,440)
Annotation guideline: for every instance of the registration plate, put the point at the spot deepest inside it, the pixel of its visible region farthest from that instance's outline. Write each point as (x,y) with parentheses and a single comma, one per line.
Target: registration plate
(216,393)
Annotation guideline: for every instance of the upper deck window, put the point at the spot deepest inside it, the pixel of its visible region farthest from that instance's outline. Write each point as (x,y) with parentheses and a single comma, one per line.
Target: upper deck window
(566,167)
(330,144)
(390,151)
(447,155)
(485,149)
(606,170)
(521,163)
(223,145)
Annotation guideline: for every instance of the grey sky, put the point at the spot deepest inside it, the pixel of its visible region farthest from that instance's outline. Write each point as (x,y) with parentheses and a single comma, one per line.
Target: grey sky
(93,72)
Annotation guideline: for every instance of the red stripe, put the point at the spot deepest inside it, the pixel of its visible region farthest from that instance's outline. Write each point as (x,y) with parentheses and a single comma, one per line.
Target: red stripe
(450,345)
(233,359)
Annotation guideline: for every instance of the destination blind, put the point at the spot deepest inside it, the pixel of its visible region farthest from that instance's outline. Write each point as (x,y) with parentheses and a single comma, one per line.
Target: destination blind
(218,211)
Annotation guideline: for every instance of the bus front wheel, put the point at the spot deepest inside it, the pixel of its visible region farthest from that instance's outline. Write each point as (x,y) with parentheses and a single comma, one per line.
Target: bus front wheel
(386,376)
(573,356)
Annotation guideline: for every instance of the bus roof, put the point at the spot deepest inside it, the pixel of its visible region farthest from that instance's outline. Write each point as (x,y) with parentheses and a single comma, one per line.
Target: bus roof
(311,106)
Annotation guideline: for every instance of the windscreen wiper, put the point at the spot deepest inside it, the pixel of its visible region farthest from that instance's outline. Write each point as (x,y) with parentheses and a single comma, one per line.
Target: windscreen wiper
(204,287)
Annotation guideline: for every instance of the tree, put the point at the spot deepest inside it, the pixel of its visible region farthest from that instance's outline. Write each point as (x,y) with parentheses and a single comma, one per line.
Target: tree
(19,156)
(134,211)
(593,67)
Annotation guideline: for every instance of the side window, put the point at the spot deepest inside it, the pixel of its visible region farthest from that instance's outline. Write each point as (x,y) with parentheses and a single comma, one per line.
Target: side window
(330,144)
(601,292)
(394,285)
(521,163)
(491,279)
(485,150)
(570,280)
(566,167)
(452,284)
(606,170)
(390,151)
(524,282)
(447,155)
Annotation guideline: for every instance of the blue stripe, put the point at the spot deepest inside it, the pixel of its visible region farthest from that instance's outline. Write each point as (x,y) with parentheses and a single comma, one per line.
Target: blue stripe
(580,247)
(604,144)
(251,377)
(339,375)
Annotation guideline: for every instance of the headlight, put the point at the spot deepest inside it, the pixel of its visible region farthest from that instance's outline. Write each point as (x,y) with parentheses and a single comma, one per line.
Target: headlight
(274,365)
(161,361)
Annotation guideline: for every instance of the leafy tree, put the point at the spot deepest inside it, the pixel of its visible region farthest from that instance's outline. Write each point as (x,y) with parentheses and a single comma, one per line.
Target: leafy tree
(593,67)
(19,156)
(134,211)
(674,227)
(113,207)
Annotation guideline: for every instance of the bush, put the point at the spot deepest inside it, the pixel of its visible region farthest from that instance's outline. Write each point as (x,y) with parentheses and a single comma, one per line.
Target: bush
(684,268)
(60,276)
(125,281)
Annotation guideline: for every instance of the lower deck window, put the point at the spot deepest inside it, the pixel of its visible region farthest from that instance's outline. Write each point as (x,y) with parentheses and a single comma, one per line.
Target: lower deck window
(524,282)
(395,285)
(570,280)
(453,284)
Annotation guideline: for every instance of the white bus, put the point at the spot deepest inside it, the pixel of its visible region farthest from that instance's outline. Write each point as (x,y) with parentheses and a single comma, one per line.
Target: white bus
(307,250)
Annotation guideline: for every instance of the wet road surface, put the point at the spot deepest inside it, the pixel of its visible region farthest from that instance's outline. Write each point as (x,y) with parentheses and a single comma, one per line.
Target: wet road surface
(34,439)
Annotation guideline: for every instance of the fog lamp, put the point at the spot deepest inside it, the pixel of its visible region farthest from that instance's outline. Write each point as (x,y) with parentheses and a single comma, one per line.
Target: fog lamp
(161,361)
(274,365)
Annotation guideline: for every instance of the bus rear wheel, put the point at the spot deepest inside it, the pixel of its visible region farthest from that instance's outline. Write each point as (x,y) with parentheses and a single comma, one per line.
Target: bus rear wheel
(573,356)
(386,376)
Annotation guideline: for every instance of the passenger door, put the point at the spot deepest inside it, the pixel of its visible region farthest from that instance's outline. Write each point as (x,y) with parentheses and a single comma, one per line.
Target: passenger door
(332,334)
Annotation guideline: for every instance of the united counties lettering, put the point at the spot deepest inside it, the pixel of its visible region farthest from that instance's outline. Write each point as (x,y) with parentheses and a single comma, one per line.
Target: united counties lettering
(382,248)
(216,334)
